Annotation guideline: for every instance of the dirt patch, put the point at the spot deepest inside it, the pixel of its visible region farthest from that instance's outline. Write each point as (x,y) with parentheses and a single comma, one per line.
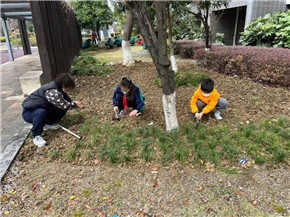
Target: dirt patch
(49,189)
(248,102)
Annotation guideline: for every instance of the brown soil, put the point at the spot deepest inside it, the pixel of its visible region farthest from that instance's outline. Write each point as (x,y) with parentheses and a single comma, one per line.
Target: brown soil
(133,190)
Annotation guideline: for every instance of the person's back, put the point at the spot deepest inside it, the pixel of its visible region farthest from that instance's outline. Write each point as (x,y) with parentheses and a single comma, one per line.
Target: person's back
(86,44)
(118,42)
(206,98)
(109,43)
(132,40)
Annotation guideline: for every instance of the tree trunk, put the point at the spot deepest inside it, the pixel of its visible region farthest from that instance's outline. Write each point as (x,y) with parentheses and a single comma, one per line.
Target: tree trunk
(172,57)
(207,31)
(128,58)
(158,51)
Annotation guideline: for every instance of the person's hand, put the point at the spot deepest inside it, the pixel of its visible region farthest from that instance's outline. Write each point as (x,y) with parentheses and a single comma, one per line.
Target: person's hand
(133,113)
(116,109)
(199,115)
(79,105)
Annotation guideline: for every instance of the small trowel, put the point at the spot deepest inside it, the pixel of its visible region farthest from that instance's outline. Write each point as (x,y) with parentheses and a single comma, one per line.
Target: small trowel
(197,122)
(116,116)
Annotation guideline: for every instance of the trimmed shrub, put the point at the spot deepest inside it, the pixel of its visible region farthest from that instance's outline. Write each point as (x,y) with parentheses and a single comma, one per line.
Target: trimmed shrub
(265,65)
(187,48)
(88,65)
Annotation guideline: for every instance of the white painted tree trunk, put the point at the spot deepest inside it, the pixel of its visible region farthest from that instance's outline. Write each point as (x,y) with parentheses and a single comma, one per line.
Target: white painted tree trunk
(169,107)
(128,58)
(173,63)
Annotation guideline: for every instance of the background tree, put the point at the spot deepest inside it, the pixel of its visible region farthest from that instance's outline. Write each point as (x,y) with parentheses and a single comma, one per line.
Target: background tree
(158,50)
(170,25)
(201,9)
(92,14)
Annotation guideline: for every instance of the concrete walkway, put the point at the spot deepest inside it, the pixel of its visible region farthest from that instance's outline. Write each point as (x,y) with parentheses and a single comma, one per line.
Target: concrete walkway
(13,128)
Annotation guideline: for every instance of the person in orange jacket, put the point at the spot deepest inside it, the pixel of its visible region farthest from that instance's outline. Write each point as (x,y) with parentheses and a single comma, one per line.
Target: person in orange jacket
(206,98)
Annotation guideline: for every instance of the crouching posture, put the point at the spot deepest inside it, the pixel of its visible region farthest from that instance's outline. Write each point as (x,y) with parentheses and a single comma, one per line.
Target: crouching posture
(205,99)
(47,105)
(127,95)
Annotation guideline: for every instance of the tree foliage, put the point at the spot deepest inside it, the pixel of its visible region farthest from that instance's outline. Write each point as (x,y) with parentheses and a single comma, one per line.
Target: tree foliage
(92,14)
(272,30)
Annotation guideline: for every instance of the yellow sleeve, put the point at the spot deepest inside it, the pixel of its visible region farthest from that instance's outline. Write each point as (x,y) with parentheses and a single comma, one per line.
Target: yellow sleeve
(193,101)
(210,106)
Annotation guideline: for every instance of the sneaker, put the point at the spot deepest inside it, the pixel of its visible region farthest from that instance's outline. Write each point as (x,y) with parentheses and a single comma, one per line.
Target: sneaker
(217,115)
(51,127)
(39,141)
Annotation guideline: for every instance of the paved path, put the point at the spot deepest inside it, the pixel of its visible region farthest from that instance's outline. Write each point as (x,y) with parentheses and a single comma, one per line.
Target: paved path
(13,129)
(16,53)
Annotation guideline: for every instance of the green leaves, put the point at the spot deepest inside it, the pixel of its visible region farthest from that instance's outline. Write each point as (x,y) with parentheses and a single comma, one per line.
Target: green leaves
(92,14)
(272,30)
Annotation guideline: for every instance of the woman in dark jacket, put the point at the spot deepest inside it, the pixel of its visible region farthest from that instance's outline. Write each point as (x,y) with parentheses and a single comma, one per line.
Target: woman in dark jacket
(47,105)
(127,95)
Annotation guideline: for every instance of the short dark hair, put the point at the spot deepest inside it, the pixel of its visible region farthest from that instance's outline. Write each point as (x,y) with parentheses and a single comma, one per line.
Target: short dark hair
(207,85)
(64,80)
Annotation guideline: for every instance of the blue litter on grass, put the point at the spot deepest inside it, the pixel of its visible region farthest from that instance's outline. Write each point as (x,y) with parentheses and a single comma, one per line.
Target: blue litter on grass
(242,161)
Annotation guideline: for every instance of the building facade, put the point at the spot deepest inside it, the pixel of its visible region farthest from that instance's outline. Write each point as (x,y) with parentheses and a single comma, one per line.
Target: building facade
(238,15)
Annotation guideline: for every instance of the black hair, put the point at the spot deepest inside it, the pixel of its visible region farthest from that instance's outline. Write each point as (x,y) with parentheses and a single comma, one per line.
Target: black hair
(127,83)
(207,85)
(64,80)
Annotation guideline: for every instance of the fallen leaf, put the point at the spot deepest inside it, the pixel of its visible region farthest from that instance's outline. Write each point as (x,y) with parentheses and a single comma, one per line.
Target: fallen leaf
(148,198)
(3,197)
(47,207)
(99,214)
(89,207)
(200,189)
(171,211)
(72,197)
(72,203)
(156,184)
(207,209)
(186,202)
(253,183)
(238,193)
(204,200)
(105,198)
(6,212)
(154,169)
(172,198)
(201,161)
(23,196)
(43,186)
(111,202)
(34,186)
(255,203)
(97,162)
(138,211)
